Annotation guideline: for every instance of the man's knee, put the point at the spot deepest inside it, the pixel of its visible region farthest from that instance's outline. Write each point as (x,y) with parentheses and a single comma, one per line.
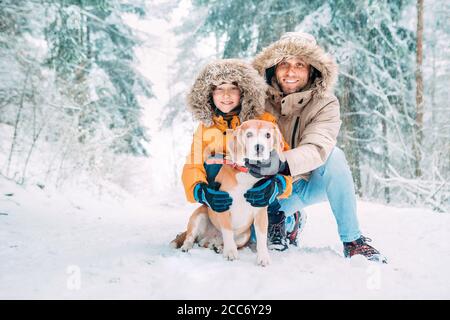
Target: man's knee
(336,162)
(337,154)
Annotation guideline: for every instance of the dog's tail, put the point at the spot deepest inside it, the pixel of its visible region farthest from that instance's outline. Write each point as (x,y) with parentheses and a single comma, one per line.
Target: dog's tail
(179,240)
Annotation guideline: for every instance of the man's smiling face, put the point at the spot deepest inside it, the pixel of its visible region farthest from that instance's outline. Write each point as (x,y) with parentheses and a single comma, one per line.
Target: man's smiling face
(292,74)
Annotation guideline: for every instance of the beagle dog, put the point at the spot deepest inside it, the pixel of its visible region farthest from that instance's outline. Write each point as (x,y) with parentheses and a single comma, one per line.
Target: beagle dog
(227,231)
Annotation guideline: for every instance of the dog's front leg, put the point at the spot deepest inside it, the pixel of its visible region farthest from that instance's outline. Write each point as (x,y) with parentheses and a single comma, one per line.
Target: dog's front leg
(261,224)
(229,245)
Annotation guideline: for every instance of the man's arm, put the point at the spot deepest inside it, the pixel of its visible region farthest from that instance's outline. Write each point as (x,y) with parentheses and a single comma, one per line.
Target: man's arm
(317,140)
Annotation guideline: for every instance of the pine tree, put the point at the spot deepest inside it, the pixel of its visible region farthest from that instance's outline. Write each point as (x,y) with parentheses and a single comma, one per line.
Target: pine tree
(374,53)
(87,40)
(248,26)
(69,88)
(436,76)
(22,86)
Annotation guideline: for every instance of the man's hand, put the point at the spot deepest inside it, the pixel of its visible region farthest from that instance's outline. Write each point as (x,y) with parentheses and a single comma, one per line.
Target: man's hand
(217,200)
(271,167)
(265,191)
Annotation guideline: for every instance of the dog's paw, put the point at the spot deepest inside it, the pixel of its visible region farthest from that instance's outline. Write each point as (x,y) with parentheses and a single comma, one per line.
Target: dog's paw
(218,248)
(230,253)
(263,259)
(216,244)
(187,245)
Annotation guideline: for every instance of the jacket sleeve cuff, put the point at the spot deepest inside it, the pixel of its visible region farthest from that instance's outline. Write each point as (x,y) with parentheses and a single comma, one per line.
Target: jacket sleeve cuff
(190,191)
(195,193)
(305,158)
(288,190)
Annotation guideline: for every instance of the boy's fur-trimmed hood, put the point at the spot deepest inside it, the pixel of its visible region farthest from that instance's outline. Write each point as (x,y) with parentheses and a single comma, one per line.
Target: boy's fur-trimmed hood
(252,86)
(304,46)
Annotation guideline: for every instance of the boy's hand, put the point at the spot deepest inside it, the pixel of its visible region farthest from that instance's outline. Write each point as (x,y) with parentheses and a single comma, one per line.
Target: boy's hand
(271,167)
(217,200)
(265,191)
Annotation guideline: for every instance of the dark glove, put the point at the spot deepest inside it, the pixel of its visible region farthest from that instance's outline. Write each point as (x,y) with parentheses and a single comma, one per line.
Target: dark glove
(265,191)
(271,167)
(217,200)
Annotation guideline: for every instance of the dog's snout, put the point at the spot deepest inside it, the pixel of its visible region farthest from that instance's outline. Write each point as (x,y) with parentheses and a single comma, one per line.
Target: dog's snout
(259,148)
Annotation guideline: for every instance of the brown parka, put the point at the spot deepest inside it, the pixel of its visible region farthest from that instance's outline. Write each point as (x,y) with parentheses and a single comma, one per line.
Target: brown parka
(310,119)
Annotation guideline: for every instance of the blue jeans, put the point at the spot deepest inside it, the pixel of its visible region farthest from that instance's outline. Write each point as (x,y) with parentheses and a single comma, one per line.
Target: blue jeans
(333,182)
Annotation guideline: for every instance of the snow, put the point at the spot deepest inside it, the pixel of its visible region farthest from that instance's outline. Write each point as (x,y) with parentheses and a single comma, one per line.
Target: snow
(71,245)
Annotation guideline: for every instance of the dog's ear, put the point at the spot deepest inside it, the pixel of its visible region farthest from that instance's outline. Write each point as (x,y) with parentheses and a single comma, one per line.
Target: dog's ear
(230,143)
(235,146)
(278,143)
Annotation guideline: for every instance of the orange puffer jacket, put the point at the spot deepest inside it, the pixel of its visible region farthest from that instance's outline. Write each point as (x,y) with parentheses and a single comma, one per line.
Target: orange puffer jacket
(210,141)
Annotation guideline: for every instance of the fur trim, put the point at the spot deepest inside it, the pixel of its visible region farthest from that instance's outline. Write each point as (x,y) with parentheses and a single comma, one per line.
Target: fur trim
(252,86)
(310,51)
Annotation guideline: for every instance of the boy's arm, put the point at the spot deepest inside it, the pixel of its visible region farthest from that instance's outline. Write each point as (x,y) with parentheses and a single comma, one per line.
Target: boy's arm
(193,169)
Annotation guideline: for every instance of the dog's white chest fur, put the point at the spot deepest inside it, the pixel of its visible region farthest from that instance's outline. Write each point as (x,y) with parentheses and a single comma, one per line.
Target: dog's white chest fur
(242,211)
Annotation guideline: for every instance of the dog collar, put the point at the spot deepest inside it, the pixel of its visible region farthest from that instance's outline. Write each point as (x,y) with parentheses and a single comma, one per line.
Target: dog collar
(227,162)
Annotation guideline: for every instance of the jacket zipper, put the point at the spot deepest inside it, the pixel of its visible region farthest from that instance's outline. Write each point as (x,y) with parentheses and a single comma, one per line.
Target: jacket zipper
(294,132)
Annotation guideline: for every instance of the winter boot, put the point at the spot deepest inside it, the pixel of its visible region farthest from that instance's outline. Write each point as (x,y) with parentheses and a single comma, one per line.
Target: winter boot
(295,225)
(360,246)
(276,235)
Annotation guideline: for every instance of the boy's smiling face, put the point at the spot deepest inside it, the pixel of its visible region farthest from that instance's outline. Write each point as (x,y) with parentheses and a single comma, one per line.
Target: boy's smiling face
(226,97)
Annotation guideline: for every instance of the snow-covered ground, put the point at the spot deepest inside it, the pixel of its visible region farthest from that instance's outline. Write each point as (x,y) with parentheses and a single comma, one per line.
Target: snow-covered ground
(72,246)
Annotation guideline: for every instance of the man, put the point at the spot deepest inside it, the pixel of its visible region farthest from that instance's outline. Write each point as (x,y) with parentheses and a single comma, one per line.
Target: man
(301,77)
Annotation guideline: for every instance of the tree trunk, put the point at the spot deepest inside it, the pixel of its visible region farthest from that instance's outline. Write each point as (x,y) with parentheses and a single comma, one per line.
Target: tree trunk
(350,122)
(16,123)
(419,90)
(36,134)
(387,193)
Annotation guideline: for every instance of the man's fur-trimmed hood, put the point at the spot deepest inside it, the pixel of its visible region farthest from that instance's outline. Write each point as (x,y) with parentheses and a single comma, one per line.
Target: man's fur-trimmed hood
(304,46)
(252,86)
